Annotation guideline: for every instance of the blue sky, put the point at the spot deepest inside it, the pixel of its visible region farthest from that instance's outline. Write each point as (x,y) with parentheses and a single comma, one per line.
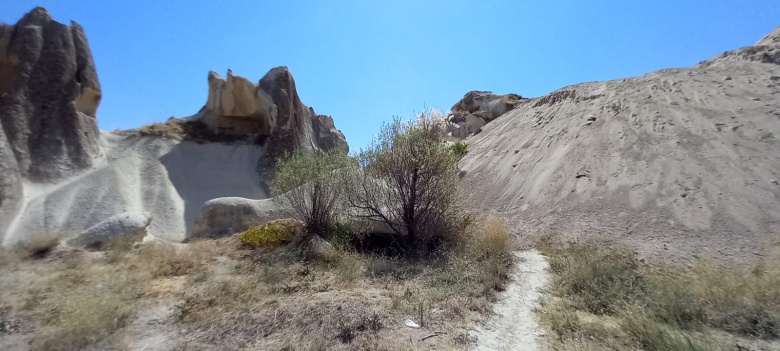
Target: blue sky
(364,62)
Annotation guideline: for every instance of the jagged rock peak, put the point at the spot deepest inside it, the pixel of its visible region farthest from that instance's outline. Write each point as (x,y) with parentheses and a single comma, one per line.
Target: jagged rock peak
(49,95)
(269,108)
(772,38)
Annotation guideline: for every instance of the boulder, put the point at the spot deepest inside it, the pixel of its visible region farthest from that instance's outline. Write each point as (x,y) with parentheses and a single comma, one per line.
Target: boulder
(49,95)
(486,104)
(476,109)
(229,215)
(469,125)
(124,226)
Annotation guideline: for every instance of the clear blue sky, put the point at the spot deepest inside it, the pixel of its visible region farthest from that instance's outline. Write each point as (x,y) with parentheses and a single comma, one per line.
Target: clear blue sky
(365,61)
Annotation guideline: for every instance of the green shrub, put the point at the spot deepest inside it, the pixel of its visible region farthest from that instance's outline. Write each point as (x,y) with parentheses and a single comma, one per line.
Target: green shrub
(310,182)
(408,180)
(458,149)
(271,234)
(340,235)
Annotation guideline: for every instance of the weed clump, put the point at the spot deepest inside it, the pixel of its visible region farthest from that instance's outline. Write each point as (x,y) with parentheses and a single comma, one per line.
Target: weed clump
(271,234)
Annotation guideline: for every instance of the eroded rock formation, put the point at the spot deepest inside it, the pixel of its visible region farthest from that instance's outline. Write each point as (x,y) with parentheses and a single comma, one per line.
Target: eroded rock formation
(49,95)
(271,109)
(476,109)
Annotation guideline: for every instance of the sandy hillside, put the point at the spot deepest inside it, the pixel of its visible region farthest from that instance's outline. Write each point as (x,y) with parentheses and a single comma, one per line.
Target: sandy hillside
(675,161)
(166,178)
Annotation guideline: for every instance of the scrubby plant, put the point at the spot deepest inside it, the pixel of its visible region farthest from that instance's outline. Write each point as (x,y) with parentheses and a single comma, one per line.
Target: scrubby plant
(271,234)
(407,179)
(458,149)
(308,181)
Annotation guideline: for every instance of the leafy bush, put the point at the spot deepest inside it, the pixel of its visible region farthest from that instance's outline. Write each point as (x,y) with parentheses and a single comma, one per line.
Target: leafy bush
(407,180)
(273,233)
(340,235)
(308,180)
(458,149)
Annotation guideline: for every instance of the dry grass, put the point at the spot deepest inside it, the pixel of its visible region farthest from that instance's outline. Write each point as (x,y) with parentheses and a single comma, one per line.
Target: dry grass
(38,247)
(85,313)
(602,295)
(170,129)
(346,301)
(228,295)
(85,300)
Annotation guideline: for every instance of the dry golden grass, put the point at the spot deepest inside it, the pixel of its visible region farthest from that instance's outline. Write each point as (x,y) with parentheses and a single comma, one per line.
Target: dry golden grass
(85,314)
(39,246)
(228,295)
(601,295)
(171,129)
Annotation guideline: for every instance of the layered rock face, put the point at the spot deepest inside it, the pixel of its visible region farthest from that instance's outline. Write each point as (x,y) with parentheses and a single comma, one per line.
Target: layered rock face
(49,95)
(477,108)
(270,108)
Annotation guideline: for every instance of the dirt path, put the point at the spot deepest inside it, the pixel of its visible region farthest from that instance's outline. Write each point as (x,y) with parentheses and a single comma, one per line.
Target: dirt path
(514,326)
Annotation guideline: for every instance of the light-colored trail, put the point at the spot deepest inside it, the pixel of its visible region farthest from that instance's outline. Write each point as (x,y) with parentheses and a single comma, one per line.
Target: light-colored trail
(514,326)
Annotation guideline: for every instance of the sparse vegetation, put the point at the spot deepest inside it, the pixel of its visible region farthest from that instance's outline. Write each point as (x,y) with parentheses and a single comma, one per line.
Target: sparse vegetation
(86,314)
(281,283)
(603,293)
(307,180)
(274,233)
(38,246)
(407,180)
(197,131)
(458,149)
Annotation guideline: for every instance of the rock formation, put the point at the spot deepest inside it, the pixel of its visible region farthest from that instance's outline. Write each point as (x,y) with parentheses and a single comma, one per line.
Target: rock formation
(49,94)
(230,215)
(477,108)
(57,180)
(127,227)
(675,162)
(269,109)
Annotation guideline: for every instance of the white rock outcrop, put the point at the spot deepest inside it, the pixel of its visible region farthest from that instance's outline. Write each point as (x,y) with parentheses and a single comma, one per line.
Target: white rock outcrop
(129,226)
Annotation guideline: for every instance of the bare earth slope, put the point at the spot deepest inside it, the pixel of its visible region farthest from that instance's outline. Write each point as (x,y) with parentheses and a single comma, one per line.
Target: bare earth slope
(676,161)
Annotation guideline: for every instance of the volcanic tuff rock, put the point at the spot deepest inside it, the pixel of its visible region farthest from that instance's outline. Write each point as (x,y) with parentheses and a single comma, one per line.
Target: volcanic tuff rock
(476,109)
(49,94)
(677,161)
(269,109)
(60,175)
